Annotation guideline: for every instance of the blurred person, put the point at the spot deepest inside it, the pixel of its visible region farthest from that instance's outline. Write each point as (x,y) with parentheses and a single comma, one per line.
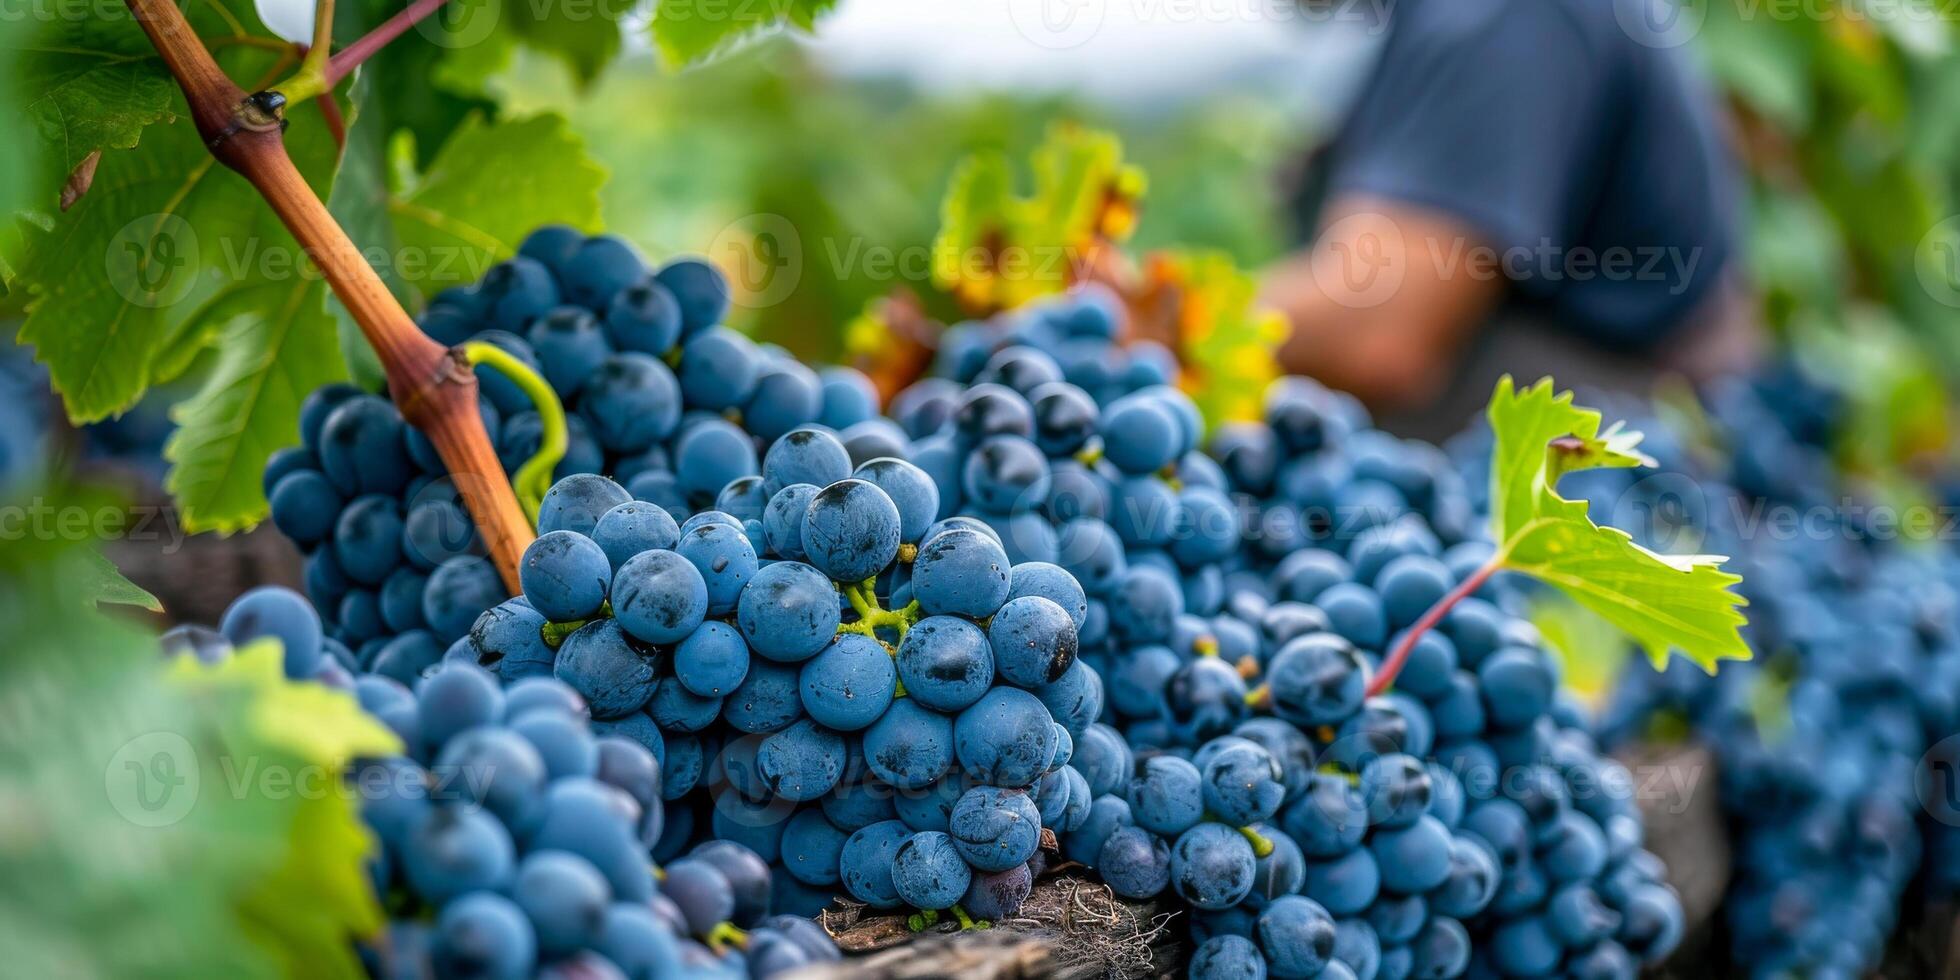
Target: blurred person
(1524,186)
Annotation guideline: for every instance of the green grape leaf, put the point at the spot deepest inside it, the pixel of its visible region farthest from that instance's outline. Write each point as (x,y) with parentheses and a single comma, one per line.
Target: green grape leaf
(585,35)
(87,84)
(120,286)
(276,342)
(687,31)
(279,344)
(1590,650)
(1664,602)
(181,803)
(488,186)
(101,581)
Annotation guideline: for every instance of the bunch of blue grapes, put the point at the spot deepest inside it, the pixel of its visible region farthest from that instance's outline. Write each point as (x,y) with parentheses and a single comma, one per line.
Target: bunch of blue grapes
(658,395)
(1098,470)
(514,836)
(1828,741)
(877,701)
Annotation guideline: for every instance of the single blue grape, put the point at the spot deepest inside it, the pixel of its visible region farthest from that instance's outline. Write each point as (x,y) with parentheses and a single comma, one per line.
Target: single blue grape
(565,576)
(570,346)
(632,527)
(606,667)
(912,491)
(788,612)
(601,267)
(712,660)
(998,894)
(1297,935)
(1212,866)
(766,701)
(909,746)
(1034,641)
(458,591)
(576,503)
(848,684)
(851,531)
(945,662)
(1241,783)
(801,762)
(866,863)
(929,872)
(484,934)
(995,829)
(1412,859)
(1006,738)
(659,597)
(631,402)
(1140,434)
(960,572)
(644,317)
(565,897)
(699,288)
(454,849)
(726,560)
(787,395)
(281,614)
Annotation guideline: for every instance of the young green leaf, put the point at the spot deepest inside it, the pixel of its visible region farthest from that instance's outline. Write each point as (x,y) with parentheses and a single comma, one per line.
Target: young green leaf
(1665,602)
(181,805)
(88,83)
(101,581)
(279,346)
(687,31)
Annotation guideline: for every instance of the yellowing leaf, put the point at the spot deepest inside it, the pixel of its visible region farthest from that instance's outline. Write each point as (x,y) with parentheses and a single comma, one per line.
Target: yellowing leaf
(1664,602)
(1226,342)
(997,250)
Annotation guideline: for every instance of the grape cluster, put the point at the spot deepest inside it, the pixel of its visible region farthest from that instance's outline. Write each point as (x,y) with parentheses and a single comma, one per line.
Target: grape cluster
(659,395)
(1826,740)
(514,835)
(875,699)
(1240,601)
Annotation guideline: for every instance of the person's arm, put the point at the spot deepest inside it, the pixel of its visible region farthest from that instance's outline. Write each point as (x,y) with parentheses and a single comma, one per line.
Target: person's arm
(1384,300)
(1475,133)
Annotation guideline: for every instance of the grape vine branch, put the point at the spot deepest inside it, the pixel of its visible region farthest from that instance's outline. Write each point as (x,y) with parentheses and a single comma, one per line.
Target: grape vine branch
(433,386)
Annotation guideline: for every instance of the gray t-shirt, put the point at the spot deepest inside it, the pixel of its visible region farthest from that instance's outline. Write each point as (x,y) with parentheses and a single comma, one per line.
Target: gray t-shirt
(1575,138)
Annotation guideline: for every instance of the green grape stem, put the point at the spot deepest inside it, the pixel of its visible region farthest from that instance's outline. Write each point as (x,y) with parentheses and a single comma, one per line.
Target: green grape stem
(1261,847)
(726,934)
(1399,654)
(533,479)
(872,616)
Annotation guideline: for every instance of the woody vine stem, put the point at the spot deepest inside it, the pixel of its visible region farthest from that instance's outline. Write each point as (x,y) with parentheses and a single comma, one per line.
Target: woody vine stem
(433,386)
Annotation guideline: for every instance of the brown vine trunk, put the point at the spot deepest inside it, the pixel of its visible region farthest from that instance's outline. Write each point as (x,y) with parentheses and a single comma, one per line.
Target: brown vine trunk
(435,390)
